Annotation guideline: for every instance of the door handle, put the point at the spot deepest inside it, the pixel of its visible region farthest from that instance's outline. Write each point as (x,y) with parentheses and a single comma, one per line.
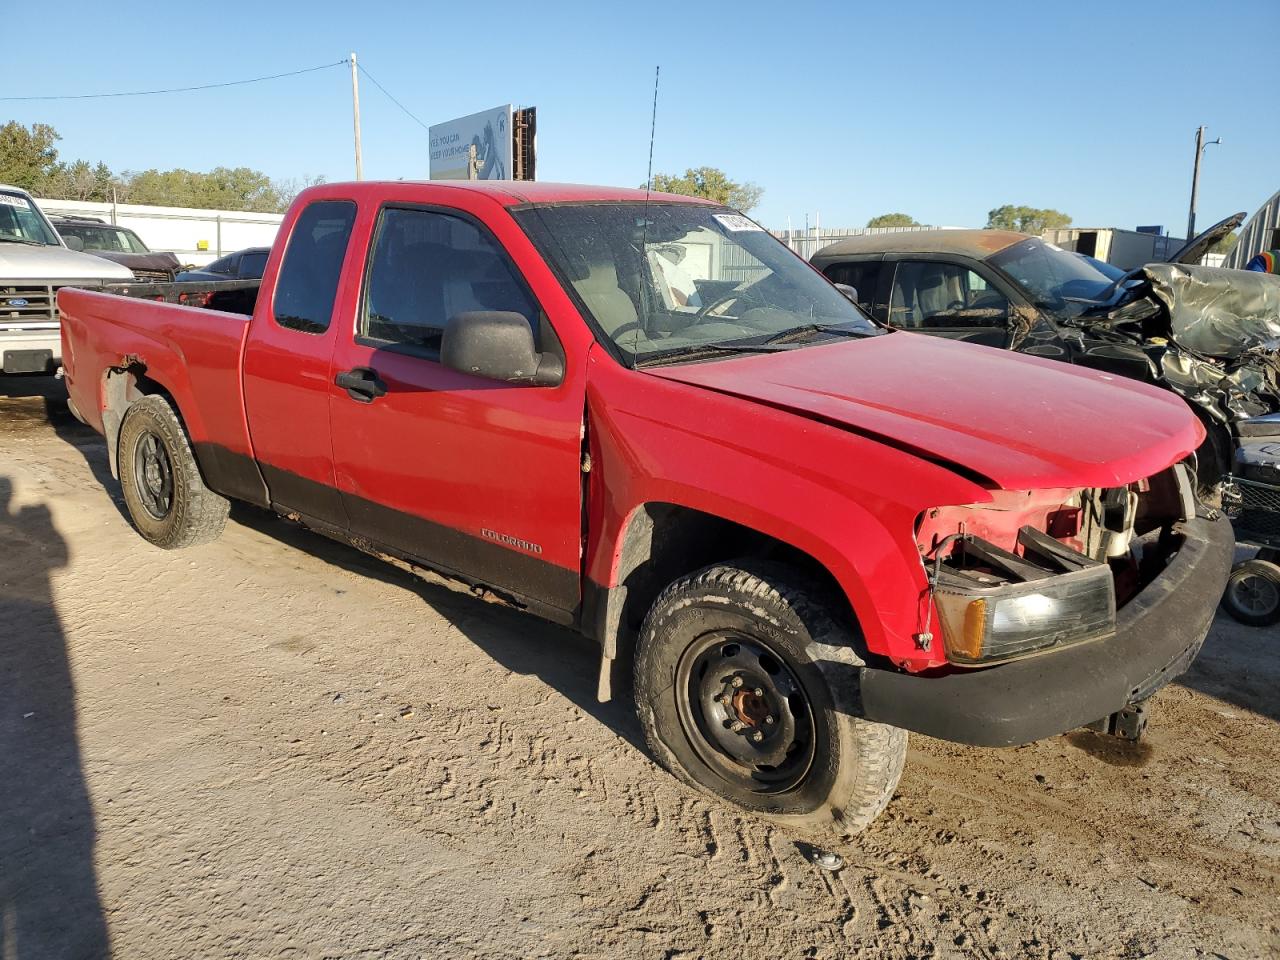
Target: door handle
(362,384)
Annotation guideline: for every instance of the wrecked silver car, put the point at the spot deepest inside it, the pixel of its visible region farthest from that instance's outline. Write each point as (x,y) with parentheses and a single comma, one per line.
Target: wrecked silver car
(1209,334)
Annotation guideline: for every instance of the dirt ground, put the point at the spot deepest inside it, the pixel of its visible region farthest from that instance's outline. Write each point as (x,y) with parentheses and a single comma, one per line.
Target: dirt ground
(273,746)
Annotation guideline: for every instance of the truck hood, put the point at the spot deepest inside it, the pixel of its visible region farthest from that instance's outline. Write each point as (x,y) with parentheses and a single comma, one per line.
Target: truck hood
(1018,422)
(22,261)
(155,262)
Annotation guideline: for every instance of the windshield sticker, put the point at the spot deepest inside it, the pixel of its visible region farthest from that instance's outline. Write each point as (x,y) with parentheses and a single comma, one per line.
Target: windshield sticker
(10,200)
(735,222)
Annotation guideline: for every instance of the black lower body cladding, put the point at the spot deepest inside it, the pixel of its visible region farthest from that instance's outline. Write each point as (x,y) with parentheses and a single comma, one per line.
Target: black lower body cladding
(1158,634)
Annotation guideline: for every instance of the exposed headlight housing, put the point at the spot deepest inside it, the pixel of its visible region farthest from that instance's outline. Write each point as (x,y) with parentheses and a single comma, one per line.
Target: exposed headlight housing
(996,606)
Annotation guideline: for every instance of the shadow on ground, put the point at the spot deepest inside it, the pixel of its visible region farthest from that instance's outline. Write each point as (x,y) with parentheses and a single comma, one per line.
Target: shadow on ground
(49,904)
(1239,665)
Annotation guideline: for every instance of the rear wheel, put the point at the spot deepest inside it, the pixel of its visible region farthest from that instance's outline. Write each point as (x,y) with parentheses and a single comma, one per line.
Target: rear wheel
(1253,593)
(746,689)
(167,499)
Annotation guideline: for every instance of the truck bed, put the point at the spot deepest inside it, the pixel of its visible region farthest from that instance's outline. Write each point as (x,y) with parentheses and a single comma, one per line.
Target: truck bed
(193,351)
(229,296)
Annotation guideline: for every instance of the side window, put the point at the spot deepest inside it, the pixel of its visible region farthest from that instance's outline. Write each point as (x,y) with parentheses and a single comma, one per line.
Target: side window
(308,279)
(220,266)
(252,265)
(863,277)
(426,267)
(943,295)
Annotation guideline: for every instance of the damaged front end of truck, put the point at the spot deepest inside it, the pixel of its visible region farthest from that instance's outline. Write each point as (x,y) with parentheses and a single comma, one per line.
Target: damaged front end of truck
(1210,334)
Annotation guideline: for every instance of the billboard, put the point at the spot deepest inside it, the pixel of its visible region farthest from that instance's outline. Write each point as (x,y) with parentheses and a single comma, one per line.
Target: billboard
(488,132)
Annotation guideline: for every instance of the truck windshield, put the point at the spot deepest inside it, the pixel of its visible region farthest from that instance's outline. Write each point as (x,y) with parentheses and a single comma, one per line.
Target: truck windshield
(1053,278)
(20,221)
(668,279)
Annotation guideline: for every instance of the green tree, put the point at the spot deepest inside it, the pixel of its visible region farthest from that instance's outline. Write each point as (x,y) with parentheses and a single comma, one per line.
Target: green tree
(893,220)
(222,188)
(27,156)
(1026,219)
(1226,244)
(710,183)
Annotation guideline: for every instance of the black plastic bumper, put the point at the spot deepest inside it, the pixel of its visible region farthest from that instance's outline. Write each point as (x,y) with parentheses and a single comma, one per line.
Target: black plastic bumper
(1158,634)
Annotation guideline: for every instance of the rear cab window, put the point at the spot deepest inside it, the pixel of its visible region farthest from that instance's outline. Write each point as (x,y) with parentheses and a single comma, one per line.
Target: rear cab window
(312,267)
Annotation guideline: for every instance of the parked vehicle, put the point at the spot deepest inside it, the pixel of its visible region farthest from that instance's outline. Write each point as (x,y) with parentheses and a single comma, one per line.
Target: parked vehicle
(118,244)
(245,264)
(1252,500)
(804,534)
(1205,333)
(34,265)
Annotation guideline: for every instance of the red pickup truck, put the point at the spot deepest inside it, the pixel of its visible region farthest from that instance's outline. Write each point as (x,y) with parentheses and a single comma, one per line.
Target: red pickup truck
(799,535)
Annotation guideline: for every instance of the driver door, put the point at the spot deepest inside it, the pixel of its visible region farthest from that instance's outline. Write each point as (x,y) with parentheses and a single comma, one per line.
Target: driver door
(948,300)
(471,476)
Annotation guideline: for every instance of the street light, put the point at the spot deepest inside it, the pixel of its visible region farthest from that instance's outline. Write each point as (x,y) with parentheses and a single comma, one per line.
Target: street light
(1195,180)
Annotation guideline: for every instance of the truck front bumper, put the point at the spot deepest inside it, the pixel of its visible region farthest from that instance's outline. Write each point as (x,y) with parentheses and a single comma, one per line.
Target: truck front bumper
(1158,634)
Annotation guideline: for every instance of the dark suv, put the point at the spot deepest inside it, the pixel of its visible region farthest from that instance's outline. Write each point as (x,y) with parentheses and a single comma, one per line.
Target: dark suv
(246,264)
(118,244)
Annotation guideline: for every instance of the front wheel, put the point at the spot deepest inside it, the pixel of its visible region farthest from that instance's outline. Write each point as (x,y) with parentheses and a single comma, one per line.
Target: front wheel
(1253,593)
(166,496)
(746,688)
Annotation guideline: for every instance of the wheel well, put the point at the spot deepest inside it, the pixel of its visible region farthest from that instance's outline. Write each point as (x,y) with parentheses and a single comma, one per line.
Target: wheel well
(664,542)
(124,387)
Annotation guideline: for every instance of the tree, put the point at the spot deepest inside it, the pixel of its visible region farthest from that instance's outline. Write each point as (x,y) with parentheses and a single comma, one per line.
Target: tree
(27,157)
(710,183)
(290,188)
(893,220)
(1026,219)
(1226,244)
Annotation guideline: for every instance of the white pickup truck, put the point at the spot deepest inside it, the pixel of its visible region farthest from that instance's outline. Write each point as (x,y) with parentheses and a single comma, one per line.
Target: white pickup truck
(34,264)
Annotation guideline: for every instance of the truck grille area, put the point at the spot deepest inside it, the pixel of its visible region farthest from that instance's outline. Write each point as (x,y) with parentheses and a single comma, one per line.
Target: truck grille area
(33,306)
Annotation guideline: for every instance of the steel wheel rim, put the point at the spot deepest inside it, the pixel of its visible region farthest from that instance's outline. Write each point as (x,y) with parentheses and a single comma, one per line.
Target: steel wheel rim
(153,475)
(745,712)
(1255,594)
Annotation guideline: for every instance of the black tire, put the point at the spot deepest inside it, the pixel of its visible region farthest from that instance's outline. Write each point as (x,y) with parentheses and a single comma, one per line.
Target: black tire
(1253,593)
(167,499)
(834,772)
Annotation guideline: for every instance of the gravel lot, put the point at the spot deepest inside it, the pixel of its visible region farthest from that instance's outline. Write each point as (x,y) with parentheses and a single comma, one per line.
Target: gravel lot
(273,746)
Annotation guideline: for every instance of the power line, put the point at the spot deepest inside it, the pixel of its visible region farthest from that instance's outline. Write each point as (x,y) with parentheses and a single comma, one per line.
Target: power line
(205,86)
(375,82)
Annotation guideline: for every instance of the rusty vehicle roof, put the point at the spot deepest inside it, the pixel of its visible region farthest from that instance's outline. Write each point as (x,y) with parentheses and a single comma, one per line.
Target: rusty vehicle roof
(978,244)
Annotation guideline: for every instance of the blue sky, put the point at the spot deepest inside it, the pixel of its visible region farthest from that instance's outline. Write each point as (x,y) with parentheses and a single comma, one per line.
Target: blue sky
(845,110)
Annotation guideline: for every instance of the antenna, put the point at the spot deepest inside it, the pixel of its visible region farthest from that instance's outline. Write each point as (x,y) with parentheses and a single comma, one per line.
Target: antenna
(644,231)
(653,126)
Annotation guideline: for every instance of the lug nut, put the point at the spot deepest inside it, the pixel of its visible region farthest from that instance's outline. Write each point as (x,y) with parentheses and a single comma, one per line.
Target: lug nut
(735,682)
(737,726)
(758,691)
(757,736)
(768,721)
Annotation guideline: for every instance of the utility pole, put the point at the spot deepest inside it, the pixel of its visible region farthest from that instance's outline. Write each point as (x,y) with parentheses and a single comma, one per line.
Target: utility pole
(1195,180)
(355,111)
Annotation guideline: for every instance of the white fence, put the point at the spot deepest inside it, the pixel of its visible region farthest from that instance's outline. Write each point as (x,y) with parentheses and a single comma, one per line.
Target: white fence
(195,236)
(808,242)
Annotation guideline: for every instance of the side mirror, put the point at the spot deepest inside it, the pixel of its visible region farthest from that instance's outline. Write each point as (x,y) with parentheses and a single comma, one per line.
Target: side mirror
(499,345)
(850,293)
(73,243)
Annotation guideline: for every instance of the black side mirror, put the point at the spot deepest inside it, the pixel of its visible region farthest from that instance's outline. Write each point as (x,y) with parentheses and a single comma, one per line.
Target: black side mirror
(73,243)
(499,345)
(850,293)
